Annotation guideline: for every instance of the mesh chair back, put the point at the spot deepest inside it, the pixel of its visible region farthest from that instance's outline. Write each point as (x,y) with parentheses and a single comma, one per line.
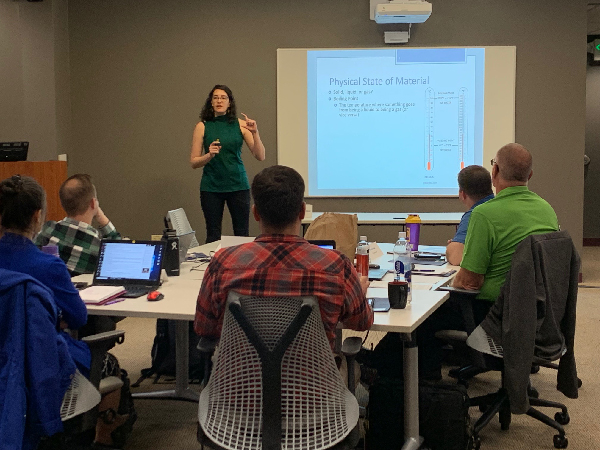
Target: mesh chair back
(181,224)
(316,409)
(79,398)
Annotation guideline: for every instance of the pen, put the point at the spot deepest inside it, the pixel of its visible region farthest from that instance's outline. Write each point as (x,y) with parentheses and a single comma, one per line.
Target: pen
(116,300)
(423,270)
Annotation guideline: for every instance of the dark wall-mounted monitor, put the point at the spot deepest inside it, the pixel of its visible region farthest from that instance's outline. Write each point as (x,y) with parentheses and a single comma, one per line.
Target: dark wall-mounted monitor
(13,151)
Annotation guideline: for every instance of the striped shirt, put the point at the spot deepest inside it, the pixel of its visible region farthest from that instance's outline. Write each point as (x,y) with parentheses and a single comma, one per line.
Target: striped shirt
(283,265)
(78,242)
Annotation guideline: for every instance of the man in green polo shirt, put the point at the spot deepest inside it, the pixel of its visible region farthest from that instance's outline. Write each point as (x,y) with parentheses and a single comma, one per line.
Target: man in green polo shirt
(497,226)
(495,229)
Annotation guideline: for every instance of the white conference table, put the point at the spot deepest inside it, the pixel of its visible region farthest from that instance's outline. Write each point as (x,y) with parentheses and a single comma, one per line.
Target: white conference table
(440,218)
(179,303)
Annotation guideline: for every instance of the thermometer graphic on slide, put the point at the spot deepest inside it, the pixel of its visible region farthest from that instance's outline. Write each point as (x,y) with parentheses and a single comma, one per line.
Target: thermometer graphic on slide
(429,127)
(460,140)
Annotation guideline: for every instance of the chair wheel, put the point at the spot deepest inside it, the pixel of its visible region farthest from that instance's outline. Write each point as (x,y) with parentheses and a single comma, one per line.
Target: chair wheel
(579,382)
(562,418)
(534,368)
(483,408)
(474,443)
(560,441)
(533,392)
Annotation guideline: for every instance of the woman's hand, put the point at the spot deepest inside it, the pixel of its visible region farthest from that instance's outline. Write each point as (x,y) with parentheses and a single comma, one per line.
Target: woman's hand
(250,124)
(214,148)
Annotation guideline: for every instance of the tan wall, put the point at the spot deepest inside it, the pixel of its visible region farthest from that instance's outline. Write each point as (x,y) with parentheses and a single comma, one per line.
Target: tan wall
(141,70)
(34,68)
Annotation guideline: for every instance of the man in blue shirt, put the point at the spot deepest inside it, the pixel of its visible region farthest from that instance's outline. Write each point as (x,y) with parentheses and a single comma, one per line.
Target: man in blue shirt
(474,188)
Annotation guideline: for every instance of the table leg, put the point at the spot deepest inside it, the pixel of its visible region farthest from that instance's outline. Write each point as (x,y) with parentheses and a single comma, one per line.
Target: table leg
(182,390)
(412,439)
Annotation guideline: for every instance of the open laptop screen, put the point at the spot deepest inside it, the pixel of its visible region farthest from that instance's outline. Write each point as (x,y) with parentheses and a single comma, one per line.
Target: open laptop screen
(323,243)
(129,262)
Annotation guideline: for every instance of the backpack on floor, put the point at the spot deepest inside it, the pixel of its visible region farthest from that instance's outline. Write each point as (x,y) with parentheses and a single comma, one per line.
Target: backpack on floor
(444,420)
(164,353)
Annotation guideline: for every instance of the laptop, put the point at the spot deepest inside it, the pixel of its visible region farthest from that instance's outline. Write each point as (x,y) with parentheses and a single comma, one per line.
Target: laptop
(323,243)
(374,274)
(13,151)
(135,265)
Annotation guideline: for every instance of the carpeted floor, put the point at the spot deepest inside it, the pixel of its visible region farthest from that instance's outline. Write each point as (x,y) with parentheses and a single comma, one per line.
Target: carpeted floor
(172,424)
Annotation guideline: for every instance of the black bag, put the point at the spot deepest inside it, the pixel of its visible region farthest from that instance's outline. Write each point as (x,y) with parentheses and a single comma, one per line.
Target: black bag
(444,420)
(164,353)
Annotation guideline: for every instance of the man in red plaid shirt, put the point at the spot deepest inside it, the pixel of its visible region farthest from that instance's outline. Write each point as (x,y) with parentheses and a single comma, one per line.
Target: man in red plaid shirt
(280,263)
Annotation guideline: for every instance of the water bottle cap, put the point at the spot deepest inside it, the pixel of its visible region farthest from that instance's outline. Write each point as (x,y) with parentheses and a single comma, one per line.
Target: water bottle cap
(401,234)
(363,238)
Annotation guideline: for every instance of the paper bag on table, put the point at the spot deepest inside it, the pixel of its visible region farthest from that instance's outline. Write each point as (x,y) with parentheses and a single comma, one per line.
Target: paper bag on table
(341,228)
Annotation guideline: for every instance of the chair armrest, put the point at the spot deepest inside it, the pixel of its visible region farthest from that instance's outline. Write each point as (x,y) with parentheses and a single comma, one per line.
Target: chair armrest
(115,337)
(207,345)
(351,346)
(459,290)
(350,349)
(99,344)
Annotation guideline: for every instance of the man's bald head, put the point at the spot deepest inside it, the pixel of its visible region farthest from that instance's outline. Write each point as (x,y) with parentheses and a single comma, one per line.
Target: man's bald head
(514,163)
(76,194)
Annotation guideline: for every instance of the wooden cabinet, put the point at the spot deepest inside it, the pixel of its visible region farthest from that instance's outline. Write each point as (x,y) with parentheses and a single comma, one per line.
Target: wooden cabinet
(50,174)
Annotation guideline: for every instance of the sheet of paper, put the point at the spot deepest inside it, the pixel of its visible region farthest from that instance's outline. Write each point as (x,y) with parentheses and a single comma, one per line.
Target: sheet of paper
(440,249)
(230,241)
(378,284)
(374,251)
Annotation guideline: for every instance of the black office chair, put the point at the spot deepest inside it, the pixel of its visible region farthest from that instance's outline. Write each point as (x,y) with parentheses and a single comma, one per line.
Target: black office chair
(532,322)
(275,382)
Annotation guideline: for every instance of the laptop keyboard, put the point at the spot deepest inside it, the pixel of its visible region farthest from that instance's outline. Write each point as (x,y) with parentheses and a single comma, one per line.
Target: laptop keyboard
(137,291)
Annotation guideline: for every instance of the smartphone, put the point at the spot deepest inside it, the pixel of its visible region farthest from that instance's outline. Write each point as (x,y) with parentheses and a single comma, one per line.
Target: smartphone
(379,304)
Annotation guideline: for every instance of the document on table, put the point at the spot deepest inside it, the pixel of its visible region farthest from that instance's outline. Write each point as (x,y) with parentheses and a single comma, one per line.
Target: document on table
(230,241)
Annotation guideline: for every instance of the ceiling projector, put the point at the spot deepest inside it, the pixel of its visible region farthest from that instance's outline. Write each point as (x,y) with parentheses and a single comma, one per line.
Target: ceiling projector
(402,11)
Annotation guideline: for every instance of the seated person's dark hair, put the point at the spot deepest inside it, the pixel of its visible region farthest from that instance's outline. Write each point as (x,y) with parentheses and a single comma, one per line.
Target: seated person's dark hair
(475,181)
(76,193)
(20,198)
(278,193)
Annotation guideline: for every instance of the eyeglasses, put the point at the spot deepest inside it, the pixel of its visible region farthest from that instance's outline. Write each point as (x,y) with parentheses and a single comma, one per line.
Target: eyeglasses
(222,97)
(493,161)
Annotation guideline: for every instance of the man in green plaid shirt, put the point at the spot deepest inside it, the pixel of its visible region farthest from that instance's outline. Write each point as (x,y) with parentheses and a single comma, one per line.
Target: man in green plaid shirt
(77,240)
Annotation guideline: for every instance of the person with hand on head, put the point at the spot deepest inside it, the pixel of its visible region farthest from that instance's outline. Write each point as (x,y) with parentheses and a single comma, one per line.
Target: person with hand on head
(22,212)
(217,148)
(77,240)
(474,188)
(280,263)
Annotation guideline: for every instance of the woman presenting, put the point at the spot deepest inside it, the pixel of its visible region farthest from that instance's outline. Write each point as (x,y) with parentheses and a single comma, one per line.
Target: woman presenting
(221,135)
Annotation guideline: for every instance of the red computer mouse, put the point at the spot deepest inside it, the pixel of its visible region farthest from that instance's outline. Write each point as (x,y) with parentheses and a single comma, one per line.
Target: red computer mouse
(155,296)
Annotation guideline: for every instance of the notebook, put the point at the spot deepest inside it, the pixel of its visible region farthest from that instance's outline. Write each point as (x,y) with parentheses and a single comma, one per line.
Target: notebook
(100,295)
(135,265)
(377,274)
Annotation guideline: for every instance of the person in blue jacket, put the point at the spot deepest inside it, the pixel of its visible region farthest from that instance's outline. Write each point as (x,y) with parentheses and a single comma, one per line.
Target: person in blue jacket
(22,213)
(35,370)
